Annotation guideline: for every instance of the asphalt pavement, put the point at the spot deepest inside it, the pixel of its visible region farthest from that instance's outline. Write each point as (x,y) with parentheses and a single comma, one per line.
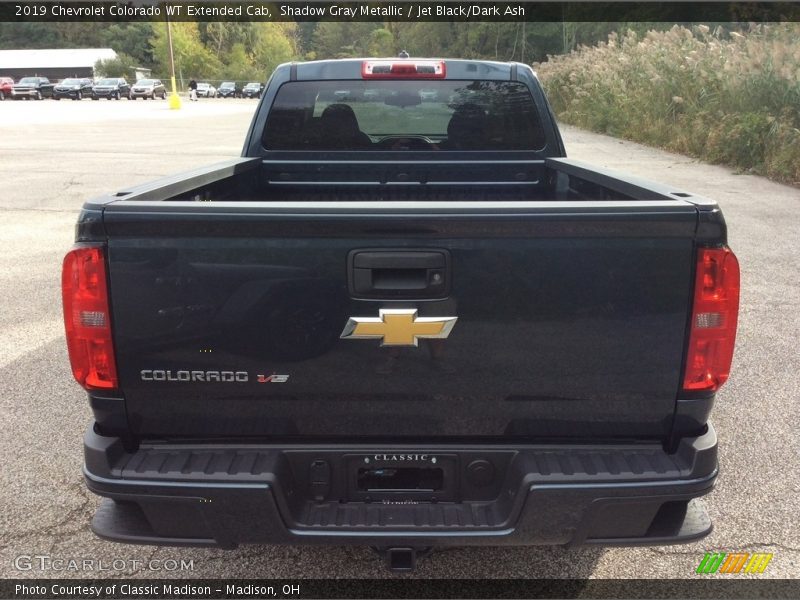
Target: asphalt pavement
(54,156)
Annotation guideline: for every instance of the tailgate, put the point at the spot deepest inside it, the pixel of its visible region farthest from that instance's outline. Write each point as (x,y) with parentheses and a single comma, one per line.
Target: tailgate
(571,318)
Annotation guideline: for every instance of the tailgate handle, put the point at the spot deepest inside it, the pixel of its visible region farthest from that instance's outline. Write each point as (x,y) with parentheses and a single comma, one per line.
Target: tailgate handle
(404,274)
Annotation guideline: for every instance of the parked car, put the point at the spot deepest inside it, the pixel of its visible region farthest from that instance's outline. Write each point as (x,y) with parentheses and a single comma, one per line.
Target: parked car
(6,84)
(371,94)
(148,88)
(206,90)
(32,88)
(252,90)
(428,94)
(73,88)
(229,89)
(111,87)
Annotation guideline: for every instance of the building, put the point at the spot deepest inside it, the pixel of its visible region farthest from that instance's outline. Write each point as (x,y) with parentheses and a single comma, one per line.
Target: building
(53,64)
(141,73)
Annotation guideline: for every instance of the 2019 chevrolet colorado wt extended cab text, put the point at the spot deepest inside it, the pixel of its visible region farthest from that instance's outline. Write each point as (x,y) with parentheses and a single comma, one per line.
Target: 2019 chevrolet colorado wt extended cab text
(405,320)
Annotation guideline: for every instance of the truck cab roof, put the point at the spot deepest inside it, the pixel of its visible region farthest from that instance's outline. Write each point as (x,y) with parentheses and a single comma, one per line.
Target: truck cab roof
(351,68)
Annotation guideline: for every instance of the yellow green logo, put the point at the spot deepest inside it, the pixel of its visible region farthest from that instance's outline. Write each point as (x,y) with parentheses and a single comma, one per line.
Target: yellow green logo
(733,562)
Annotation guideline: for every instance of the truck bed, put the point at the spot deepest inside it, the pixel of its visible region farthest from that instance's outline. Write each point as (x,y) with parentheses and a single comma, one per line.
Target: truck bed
(422,179)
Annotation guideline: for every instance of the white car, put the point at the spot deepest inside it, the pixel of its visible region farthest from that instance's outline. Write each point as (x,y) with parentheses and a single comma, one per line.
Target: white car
(206,90)
(428,95)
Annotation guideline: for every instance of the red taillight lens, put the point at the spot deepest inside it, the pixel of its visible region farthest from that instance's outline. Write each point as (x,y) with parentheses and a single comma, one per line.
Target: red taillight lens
(714,317)
(388,69)
(87,318)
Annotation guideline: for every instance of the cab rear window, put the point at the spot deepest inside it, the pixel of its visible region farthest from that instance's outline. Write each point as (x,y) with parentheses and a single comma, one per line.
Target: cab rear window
(403,115)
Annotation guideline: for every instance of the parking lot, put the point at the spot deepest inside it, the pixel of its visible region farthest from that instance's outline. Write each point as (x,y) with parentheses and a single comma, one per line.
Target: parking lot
(55,155)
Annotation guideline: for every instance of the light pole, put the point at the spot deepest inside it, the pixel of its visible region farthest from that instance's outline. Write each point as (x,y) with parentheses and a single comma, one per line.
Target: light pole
(174,99)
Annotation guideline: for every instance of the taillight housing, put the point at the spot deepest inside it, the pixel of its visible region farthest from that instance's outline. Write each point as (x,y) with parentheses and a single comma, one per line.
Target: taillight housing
(715,314)
(87,317)
(403,69)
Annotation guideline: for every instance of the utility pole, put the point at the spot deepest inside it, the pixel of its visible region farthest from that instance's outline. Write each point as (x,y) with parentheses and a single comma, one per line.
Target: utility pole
(522,59)
(174,99)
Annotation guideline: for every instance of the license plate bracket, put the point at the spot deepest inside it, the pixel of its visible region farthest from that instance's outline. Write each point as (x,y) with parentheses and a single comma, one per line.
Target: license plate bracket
(402,477)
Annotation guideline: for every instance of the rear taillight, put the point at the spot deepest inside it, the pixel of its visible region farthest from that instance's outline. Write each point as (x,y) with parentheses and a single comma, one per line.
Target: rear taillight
(403,69)
(714,316)
(87,318)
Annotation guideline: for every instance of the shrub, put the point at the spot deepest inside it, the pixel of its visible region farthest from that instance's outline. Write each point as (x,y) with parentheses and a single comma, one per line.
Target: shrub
(724,97)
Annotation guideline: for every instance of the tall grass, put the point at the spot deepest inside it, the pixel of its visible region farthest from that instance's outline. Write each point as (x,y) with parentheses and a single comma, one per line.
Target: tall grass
(721,96)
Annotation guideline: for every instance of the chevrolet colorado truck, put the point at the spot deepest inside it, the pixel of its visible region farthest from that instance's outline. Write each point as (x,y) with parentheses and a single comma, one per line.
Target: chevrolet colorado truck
(403,319)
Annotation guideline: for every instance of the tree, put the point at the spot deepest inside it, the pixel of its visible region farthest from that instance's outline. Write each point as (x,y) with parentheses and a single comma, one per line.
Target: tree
(381,43)
(24,36)
(239,65)
(192,58)
(132,39)
(342,39)
(273,44)
(115,67)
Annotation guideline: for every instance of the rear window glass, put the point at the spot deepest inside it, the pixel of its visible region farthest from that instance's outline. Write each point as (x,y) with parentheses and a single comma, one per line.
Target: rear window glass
(403,115)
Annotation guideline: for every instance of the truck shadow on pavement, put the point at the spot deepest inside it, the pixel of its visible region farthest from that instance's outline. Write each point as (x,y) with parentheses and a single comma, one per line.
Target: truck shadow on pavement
(485,562)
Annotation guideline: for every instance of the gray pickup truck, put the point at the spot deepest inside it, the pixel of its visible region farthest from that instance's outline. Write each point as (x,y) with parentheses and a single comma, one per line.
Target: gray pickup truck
(403,319)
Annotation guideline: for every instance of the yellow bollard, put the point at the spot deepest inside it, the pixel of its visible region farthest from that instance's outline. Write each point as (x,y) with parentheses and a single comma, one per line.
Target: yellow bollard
(174,99)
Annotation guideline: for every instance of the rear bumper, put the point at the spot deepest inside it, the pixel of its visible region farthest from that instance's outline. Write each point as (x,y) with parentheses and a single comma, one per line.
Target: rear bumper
(225,495)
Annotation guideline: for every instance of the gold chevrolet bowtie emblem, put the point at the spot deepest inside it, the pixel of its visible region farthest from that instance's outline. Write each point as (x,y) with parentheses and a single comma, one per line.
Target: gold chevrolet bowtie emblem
(398,327)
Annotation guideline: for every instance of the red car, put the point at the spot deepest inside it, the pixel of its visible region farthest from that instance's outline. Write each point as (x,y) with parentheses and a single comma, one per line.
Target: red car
(6,83)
